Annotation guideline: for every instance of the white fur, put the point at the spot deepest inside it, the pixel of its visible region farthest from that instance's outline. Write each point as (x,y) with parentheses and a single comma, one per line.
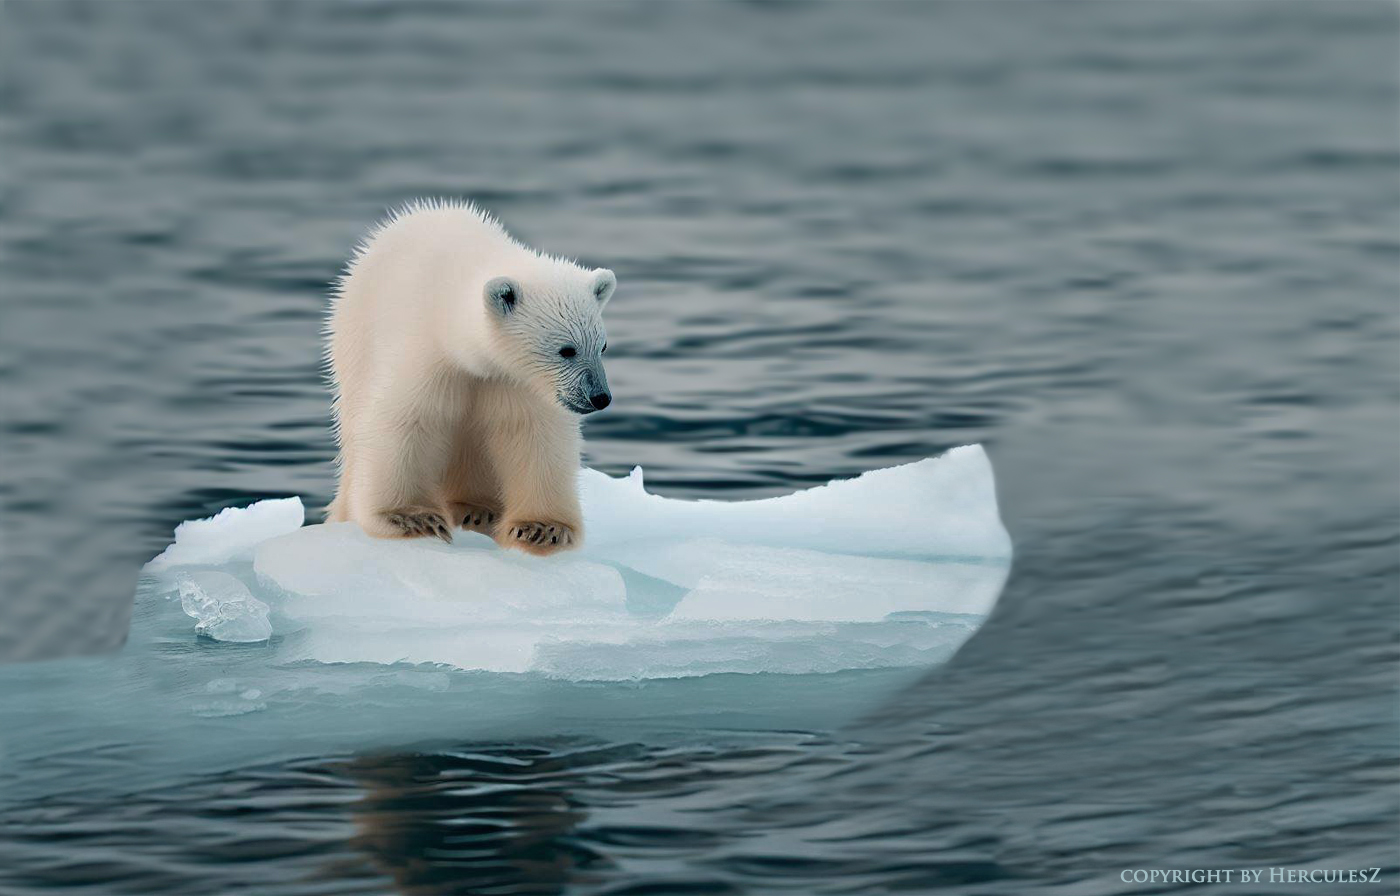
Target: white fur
(447,400)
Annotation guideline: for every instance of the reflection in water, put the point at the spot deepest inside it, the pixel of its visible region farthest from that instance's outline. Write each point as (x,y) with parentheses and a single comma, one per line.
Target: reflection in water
(498,821)
(492,818)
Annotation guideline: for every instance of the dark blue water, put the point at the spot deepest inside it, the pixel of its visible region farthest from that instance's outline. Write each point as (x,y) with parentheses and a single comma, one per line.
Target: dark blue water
(1148,254)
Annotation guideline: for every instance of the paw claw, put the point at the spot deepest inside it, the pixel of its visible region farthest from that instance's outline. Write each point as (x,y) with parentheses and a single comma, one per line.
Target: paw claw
(538,538)
(471,515)
(416,523)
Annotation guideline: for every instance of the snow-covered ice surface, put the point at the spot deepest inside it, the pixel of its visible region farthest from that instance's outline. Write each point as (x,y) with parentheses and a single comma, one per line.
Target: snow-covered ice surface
(255,636)
(229,534)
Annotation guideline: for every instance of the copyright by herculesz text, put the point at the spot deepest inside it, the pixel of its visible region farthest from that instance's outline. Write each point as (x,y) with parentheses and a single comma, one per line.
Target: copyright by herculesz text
(1251,875)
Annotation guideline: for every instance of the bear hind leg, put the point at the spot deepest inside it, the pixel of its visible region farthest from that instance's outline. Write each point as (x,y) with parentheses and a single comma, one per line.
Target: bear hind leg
(476,516)
(470,483)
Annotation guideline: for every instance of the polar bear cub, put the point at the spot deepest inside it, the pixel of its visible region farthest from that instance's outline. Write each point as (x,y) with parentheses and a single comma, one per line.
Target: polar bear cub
(462,363)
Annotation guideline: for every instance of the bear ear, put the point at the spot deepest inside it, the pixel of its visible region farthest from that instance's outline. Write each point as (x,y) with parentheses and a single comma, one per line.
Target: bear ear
(502,295)
(604,282)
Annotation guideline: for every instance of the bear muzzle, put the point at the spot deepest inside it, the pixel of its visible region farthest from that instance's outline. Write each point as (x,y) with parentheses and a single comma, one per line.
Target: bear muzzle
(596,402)
(589,395)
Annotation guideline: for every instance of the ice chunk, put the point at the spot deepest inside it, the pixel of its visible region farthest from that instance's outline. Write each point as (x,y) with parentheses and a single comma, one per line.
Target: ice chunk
(894,568)
(223,607)
(230,534)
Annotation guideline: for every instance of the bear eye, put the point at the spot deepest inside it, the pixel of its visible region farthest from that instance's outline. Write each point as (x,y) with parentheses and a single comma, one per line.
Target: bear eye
(605,349)
(567,351)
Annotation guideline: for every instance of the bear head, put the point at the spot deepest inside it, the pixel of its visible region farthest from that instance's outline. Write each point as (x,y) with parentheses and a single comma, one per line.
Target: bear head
(549,332)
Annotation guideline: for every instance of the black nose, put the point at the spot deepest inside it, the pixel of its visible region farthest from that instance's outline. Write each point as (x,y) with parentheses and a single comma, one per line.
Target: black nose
(600,401)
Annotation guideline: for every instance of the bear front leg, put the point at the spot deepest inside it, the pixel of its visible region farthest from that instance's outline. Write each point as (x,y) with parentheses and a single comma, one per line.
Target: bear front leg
(536,457)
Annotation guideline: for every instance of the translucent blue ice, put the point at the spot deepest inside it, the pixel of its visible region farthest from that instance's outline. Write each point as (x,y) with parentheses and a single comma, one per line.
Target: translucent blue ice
(222,607)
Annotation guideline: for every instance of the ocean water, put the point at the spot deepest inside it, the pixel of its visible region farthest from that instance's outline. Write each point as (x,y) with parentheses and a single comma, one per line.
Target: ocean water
(1147,254)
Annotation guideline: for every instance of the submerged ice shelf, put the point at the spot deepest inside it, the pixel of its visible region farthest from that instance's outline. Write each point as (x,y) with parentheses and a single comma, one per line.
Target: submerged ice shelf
(255,638)
(894,568)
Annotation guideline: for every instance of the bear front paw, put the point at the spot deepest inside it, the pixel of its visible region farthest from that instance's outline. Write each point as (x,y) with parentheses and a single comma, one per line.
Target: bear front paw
(417,522)
(536,537)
